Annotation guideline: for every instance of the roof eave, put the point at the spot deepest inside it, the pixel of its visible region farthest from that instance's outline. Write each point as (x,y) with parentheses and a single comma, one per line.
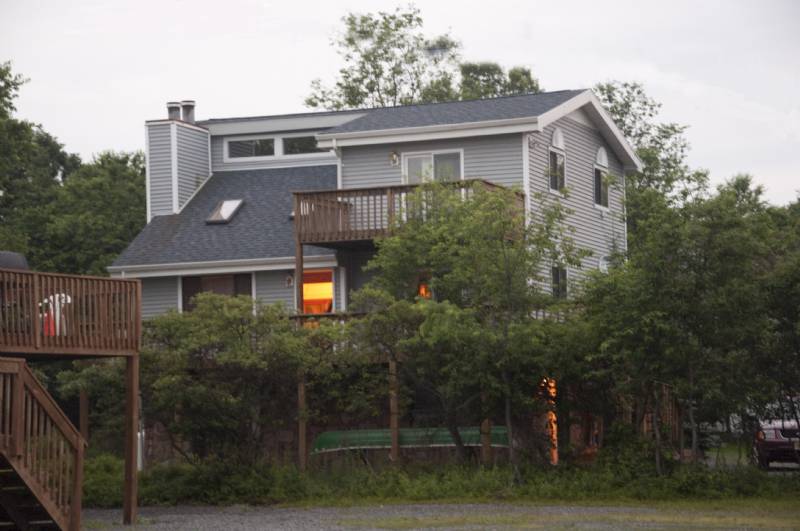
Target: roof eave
(428,132)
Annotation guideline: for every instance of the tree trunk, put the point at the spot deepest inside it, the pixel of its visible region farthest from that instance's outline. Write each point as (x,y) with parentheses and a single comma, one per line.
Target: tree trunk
(657,427)
(461,451)
(512,454)
(692,421)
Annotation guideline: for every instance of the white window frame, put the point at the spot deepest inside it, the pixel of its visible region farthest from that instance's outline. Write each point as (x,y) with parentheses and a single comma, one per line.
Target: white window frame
(563,153)
(406,154)
(278,148)
(606,173)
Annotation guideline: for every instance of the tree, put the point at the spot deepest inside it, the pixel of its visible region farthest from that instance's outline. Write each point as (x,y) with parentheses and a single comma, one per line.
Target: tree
(488,80)
(65,216)
(481,262)
(95,215)
(217,377)
(32,166)
(388,61)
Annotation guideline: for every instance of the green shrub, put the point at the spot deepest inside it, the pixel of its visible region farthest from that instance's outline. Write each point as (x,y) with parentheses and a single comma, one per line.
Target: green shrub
(215,482)
(103,481)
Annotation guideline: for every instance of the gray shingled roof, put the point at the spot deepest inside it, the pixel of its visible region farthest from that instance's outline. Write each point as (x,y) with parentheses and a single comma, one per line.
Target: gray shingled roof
(260,229)
(456,112)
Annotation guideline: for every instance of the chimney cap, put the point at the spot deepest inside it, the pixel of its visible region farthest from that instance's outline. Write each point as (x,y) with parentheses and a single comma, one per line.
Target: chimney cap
(173,104)
(187,102)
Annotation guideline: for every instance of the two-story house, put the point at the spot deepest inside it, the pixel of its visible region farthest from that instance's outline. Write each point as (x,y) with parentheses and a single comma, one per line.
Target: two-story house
(224,213)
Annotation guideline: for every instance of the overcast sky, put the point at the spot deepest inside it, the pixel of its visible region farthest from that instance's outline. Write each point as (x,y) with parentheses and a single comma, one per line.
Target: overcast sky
(99,68)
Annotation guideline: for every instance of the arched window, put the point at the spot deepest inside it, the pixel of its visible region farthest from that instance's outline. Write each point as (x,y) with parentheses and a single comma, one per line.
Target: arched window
(602,157)
(601,178)
(556,174)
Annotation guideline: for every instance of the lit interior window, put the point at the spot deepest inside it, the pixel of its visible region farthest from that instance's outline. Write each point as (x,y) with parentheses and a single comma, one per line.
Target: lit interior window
(318,291)
(423,290)
(224,211)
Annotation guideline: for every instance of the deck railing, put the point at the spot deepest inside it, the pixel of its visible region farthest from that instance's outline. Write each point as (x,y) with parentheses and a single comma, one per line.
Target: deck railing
(42,445)
(46,313)
(358,214)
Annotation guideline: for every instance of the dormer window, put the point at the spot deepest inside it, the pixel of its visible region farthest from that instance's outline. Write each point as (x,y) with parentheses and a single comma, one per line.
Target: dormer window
(300,145)
(556,166)
(271,147)
(601,178)
(224,211)
(254,147)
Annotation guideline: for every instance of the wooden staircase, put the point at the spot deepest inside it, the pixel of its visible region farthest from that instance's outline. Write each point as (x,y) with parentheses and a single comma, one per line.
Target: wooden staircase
(41,455)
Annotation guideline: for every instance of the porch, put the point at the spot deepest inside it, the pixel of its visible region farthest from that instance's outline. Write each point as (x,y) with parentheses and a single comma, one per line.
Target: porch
(52,315)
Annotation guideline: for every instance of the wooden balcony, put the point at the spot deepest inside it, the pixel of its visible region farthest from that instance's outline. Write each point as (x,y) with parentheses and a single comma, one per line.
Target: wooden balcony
(338,218)
(68,315)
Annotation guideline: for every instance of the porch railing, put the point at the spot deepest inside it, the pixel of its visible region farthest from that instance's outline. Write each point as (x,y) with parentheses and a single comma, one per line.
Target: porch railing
(46,313)
(42,445)
(358,214)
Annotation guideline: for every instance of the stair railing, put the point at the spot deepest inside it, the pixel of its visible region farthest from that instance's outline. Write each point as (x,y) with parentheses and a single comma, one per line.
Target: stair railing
(40,442)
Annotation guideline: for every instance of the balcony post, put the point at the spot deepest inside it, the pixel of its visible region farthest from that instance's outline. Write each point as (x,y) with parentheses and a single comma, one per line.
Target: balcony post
(130,496)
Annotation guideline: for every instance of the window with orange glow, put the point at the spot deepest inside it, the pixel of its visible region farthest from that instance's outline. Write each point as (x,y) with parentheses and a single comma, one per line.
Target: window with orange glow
(423,290)
(318,291)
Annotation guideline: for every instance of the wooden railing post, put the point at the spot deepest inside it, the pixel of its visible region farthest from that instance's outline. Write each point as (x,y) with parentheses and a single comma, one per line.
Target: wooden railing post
(18,413)
(37,321)
(75,506)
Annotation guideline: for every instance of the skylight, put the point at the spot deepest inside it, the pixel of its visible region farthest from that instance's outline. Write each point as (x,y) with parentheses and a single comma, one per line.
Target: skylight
(224,211)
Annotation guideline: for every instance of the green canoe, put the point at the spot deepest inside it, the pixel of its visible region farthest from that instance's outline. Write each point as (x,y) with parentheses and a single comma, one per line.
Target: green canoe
(333,441)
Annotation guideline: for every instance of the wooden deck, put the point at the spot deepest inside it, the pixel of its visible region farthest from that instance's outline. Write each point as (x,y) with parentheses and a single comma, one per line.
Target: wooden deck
(339,217)
(53,315)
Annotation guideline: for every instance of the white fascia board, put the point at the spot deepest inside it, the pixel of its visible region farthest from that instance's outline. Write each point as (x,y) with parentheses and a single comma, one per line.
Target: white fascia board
(432,132)
(594,108)
(147,172)
(218,267)
(173,155)
(177,122)
(297,123)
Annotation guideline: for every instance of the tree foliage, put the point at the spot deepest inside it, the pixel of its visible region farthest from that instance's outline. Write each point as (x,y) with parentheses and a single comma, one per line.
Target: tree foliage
(389,61)
(64,215)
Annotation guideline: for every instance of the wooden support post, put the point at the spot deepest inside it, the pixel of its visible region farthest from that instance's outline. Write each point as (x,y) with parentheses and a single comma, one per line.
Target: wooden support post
(298,258)
(131,439)
(76,501)
(394,413)
(302,455)
(83,398)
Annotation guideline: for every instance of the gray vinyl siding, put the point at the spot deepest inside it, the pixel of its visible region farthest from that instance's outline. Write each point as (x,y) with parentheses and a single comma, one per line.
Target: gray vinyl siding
(192,145)
(159,162)
(159,295)
(495,158)
(596,230)
(218,161)
(271,288)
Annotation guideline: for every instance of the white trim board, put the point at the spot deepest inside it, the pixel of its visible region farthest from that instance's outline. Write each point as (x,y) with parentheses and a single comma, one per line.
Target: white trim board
(173,148)
(219,267)
(147,171)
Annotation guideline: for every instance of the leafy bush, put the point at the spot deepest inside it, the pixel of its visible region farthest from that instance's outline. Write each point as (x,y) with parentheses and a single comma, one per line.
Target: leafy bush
(216,482)
(103,480)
